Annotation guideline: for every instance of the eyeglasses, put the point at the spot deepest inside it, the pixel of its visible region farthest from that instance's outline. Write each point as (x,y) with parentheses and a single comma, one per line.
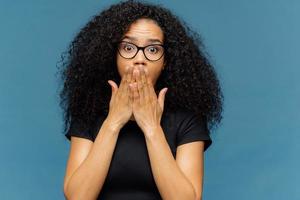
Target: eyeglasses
(152,52)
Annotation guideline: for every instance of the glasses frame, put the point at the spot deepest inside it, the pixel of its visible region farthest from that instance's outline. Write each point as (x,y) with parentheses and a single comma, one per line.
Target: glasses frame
(143,50)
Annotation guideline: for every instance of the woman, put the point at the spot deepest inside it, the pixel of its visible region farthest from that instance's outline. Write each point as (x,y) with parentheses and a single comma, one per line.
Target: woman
(139,98)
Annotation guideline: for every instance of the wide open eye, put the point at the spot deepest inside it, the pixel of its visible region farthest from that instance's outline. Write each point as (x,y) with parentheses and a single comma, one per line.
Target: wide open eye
(154,49)
(127,47)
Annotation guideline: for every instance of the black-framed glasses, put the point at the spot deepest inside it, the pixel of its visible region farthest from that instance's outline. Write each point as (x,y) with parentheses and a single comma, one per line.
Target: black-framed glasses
(152,52)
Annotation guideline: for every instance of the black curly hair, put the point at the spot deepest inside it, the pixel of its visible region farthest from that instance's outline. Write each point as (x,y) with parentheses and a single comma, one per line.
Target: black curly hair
(90,61)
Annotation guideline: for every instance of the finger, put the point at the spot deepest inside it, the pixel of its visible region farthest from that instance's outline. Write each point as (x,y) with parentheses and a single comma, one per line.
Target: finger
(128,81)
(161,97)
(114,88)
(150,87)
(123,80)
(113,85)
(131,92)
(129,74)
(134,83)
(124,77)
(135,93)
(131,85)
(140,85)
(145,83)
(130,95)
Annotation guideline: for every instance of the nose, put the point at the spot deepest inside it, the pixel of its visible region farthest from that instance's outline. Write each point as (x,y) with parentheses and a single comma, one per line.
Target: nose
(139,58)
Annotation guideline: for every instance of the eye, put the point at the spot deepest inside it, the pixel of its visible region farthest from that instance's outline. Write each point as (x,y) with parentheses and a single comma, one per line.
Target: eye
(153,49)
(127,47)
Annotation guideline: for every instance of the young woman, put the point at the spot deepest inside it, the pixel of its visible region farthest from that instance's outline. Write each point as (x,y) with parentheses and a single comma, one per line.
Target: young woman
(140,98)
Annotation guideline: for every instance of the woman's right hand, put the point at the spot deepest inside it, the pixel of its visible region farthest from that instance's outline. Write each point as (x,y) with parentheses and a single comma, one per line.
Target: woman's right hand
(120,105)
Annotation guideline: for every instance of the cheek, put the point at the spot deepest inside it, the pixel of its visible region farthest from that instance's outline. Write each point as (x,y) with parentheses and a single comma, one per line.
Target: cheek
(154,74)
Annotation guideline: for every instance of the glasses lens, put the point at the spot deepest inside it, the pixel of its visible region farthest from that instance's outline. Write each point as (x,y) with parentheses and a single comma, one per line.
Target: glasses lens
(127,50)
(154,52)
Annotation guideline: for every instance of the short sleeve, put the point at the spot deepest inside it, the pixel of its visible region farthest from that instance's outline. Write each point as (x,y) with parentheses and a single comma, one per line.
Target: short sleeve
(193,128)
(76,130)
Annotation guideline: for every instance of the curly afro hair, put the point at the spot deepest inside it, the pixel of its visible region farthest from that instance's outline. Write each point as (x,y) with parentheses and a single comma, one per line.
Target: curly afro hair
(90,61)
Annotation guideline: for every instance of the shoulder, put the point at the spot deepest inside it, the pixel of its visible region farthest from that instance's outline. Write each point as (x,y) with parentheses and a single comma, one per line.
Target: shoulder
(179,117)
(191,127)
(184,116)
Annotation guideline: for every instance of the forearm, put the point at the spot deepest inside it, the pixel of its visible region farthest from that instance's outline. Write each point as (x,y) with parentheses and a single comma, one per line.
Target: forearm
(87,181)
(170,180)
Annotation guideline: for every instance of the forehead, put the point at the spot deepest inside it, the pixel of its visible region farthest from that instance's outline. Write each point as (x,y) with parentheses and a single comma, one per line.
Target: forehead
(144,30)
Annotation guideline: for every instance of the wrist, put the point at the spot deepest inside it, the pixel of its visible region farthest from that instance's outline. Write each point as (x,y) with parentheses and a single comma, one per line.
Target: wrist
(113,127)
(152,131)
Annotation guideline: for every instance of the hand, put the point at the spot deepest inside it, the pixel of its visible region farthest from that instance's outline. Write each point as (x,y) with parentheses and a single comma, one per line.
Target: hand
(147,108)
(120,105)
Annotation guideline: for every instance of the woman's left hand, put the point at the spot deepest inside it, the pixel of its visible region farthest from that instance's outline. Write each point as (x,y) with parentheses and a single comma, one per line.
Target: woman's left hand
(147,108)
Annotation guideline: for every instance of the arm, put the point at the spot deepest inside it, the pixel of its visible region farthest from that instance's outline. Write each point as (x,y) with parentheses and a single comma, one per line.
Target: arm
(190,159)
(170,180)
(87,180)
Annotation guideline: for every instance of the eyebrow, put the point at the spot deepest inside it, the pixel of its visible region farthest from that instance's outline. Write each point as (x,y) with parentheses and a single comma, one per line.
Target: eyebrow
(135,39)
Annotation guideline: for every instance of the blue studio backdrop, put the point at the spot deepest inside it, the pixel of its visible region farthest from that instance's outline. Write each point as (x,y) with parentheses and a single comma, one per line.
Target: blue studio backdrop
(254,46)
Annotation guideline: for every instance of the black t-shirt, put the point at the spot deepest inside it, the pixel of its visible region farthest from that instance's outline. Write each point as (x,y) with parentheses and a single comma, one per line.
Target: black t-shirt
(130,176)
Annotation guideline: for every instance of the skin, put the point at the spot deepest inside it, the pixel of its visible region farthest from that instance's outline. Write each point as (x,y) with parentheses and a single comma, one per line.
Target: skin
(135,99)
(142,30)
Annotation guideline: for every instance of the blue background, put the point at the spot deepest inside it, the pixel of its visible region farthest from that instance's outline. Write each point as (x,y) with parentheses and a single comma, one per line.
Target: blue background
(254,46)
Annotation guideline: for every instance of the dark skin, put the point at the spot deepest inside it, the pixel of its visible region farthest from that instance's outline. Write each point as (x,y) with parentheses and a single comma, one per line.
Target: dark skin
(136,99)
(137,94)
(147,107)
